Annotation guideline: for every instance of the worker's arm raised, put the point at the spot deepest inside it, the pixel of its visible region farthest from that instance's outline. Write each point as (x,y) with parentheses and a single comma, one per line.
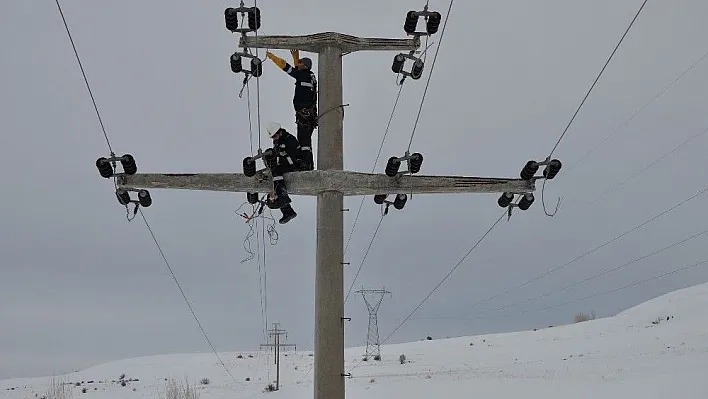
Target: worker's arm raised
(296,56)
(282,64)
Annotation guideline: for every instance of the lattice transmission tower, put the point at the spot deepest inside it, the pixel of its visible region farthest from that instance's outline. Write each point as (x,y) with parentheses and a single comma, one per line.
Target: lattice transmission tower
(373,304)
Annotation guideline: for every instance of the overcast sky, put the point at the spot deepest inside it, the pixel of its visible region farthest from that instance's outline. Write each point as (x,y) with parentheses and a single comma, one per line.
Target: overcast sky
(79,285)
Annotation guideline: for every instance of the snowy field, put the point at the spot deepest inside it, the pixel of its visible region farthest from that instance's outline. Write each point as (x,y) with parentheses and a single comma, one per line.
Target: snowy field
(636,354)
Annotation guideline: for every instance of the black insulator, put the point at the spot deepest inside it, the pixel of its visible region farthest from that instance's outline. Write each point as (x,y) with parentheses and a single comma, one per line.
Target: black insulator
(104,167)
(392,166)
(433,23)
(529,170)
(380,198)
(123,197)
(144,198)
(231,17)
(236,63)
(552,169)
(400,201)
(505,199)
(526,201)
(416,162)
(129,166)
(254,18)
(252,198)
(417,69)
(411,23)
(398,62)
(249,167)
(256,67)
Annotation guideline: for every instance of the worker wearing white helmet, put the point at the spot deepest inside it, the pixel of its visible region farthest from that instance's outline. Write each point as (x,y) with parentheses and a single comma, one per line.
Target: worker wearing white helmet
(288,159)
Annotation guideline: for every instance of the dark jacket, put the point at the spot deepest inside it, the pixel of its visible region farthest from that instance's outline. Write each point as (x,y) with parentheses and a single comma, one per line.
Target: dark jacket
(305,82)
(287,149)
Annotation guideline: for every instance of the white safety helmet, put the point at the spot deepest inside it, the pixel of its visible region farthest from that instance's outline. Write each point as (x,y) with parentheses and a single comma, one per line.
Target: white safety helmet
(273,128)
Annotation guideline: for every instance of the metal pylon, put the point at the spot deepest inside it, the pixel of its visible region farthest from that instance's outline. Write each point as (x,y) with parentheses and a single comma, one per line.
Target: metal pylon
(373,304)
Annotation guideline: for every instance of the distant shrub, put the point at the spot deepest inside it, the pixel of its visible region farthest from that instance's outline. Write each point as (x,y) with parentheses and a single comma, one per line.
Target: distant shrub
(83,390)
(204,381)
(122,377)
(377,358)
(429,338)
(174,390)
(581,317)
(270,388)
(248,378)
(58,390)
(402,358)
(239,357)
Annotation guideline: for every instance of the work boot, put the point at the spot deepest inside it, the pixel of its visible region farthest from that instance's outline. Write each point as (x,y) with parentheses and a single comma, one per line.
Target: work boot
(288,214)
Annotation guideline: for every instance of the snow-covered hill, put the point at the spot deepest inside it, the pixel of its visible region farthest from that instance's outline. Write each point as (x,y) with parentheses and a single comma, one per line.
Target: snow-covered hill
(658,349)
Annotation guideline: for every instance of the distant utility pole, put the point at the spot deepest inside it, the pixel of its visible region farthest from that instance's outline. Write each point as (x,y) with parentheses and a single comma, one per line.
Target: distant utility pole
(373,303)
(275,334)
(330,183)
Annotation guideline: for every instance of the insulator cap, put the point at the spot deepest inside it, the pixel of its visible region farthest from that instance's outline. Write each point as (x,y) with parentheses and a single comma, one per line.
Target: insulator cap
(400,201)
(433,23)
(417,69)
(249,167)
(256,67)
(505,199)
(254,18)
(380,198)
(104,167)
(231,18)
(552,169)
(526,201)
(129,166)
(392,166)
(416,161)
(123,197)
(411,23)
(398,62)
(529,170)
(236,63)
(144,198)
(252,198)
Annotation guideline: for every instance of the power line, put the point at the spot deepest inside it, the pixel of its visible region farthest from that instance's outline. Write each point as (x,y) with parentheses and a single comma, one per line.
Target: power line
(598,77)
(606,272)
(373,237)
(656,277)
(659,94)
(189,305)
(430,74)
(606,243)
(489,230)
(88,86)
(405,319)
(650,165)
(570,122)
(632,284)
(373,168)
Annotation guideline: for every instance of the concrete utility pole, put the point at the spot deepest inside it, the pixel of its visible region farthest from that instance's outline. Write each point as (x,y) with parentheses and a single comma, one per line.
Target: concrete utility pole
(330,183)
(373,304)
(275,333)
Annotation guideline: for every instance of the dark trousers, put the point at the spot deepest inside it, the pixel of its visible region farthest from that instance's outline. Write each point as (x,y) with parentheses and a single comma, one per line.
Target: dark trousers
(306,120)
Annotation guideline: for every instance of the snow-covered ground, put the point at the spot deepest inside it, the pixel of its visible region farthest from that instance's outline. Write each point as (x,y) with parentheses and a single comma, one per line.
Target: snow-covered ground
(658,349)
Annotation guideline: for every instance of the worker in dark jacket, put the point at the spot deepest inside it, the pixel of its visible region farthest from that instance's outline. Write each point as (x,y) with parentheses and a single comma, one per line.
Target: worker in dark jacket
(288,159)
(304,100)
